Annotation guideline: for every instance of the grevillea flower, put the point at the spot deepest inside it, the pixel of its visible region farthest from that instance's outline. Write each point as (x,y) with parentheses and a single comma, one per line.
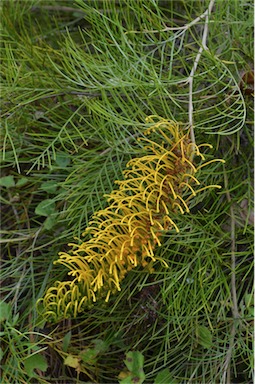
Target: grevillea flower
(125,234)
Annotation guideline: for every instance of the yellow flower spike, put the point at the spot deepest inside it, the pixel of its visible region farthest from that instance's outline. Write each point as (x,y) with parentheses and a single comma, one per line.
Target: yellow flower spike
(195,149)
(60,302)
(184,203)
(117,240)
(154,237)
(93,295)
(126,233)
(189,186)
(165,207)
(205,145)
(172,223)
(209,162)
(124,248)
(208,186)
(134,219)
(178,206)
(107,296)
(163,262)
(186,175)
(191,165)
(82,304)
(150,216)
(114,285)
(151,199)
(172,190)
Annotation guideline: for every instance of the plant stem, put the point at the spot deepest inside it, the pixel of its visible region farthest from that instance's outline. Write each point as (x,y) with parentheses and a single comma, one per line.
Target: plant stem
(226,371)
(233,248)
(203,47)
(56,8)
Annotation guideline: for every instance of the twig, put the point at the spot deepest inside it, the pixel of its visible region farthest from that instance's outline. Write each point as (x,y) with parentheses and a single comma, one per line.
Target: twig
(233,249)
(189,81)
(226,375)
(203,47)
(226,371)
(233,262)
(57,8)
(182,28)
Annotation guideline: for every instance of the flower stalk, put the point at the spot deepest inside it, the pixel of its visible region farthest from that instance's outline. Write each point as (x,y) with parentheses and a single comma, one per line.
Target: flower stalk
(126,233)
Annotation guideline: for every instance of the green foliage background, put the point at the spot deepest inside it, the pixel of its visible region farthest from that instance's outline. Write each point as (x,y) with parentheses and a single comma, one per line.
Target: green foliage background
(78,79)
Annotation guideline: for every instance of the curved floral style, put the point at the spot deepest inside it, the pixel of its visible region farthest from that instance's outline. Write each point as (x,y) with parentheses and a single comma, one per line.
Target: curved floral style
(124,235)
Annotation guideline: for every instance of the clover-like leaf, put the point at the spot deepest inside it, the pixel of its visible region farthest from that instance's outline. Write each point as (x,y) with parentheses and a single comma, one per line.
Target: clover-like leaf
(7,181)
(36,361)
(46,208)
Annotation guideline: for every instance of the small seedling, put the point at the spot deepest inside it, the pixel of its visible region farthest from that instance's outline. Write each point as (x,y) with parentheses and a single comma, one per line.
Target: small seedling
(134,373)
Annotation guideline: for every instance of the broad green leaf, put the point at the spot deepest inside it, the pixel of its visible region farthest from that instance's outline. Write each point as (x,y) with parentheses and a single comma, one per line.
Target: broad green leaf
(89,356)
(204,336)
(49,222)
(126,378)
(164,377)
(7,181)
(66,340)
(34,348)
(5,311)
(49,186)
(72,361)
(45,207)
(131,379)
(36,361)
(134,361)
(100,345)
(62,160)
(21,182)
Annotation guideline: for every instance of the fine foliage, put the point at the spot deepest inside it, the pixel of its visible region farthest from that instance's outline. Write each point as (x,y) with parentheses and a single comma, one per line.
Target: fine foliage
(78,81)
